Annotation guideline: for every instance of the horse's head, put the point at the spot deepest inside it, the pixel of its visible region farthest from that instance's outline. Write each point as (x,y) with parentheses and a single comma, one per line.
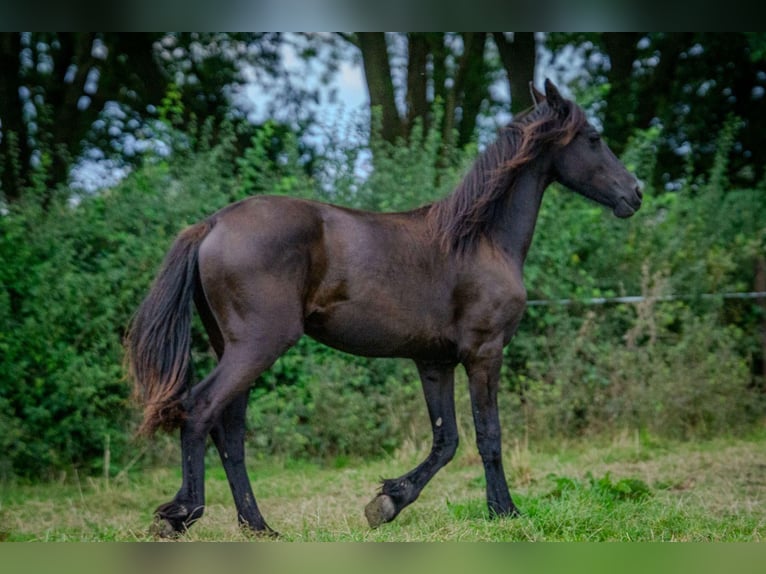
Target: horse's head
(584,163)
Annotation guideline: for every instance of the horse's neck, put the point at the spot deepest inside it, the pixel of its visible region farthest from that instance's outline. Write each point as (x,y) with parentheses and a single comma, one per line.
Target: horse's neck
(513,232)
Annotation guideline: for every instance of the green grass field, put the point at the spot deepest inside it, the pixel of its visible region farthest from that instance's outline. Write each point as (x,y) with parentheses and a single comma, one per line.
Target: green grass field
(622,489)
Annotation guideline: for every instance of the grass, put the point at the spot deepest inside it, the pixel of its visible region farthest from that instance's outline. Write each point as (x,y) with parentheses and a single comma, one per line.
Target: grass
(620,489)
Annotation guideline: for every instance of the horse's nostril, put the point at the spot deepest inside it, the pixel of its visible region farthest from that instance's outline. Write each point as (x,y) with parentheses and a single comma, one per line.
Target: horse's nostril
(639,190)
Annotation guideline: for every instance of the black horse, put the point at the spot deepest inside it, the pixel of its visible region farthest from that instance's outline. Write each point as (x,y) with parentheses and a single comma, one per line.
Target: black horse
(441,285)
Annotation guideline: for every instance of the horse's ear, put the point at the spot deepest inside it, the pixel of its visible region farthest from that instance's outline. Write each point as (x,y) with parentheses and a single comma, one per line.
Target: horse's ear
(537,96)
(555,100)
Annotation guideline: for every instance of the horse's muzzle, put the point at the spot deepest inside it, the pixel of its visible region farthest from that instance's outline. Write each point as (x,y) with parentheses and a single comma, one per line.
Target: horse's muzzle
(627,206)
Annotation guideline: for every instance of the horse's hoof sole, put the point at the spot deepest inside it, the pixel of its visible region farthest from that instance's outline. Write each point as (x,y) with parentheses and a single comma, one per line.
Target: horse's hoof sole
(380,510)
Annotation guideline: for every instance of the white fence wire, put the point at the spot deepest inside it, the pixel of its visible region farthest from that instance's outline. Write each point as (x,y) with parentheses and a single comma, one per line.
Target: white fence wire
(632,299)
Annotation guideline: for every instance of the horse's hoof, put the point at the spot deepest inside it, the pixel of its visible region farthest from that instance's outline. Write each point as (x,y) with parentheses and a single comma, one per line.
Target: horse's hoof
(163,528)
(173,519)
(380,510)
(265,533)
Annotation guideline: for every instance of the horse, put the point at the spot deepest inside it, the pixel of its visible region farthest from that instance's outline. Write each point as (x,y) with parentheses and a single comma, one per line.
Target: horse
(441,285)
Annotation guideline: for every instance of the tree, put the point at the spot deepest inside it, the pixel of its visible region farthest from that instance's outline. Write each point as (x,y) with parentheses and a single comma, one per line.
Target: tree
(55,86)
(406,74)
(689,83)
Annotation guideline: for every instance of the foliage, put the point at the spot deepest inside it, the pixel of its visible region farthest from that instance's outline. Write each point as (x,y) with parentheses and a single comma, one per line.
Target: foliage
(98,96)
(74,271)
(412,173)
(72,276)
(682,367)
(78,96)
(578,491)
(605,489)
(688,83)
(319,404)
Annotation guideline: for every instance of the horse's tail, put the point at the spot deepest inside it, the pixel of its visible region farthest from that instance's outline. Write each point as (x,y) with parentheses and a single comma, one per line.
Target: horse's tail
(158,342)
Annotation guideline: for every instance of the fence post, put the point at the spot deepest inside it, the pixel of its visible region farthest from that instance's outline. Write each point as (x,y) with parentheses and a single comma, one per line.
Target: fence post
(760,285)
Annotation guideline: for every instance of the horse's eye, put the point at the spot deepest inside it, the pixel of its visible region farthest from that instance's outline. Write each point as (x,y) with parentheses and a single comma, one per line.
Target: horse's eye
(593,137)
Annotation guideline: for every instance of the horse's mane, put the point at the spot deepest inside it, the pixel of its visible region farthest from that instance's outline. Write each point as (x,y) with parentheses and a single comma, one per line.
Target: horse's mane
(461,218)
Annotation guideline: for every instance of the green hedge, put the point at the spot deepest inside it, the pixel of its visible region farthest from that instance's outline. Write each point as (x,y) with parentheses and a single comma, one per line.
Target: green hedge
(74,272)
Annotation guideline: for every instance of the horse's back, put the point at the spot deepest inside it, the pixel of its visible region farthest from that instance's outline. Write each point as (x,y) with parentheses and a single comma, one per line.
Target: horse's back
(275,231)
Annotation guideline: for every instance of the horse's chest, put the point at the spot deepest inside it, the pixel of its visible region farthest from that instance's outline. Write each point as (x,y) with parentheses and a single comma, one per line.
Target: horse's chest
(493,307)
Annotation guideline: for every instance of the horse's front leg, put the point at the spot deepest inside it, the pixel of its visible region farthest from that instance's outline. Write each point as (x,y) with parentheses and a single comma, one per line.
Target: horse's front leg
(483,381)
(396,493)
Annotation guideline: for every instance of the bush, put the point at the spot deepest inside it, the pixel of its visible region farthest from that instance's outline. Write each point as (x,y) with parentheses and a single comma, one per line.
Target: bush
(686,379)
(336,406)
(74,272)
(681,368)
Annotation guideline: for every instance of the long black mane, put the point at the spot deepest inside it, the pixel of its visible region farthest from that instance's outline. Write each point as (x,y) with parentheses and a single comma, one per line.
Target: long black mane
(461,218)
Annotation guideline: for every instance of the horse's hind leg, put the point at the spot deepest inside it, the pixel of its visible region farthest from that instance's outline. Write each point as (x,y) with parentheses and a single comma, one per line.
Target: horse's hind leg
(240,365)
(397,493)
(229,434)
(229,438)
(188,505)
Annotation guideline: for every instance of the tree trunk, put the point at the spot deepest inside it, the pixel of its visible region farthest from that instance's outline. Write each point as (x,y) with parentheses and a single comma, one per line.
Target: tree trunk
(417,80)
(14,150)
(619,118)
(438,61)
(473,85)
(519,59)
(377,70)
(69,123)
(470,62)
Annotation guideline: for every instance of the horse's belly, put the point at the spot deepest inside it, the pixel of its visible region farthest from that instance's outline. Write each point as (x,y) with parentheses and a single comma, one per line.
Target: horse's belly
(378,334)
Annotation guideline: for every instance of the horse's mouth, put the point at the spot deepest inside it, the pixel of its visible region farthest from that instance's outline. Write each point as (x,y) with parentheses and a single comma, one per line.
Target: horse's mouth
(624,209)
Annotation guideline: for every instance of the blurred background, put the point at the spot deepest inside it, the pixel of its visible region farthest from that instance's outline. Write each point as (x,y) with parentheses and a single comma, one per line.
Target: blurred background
(111,143)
